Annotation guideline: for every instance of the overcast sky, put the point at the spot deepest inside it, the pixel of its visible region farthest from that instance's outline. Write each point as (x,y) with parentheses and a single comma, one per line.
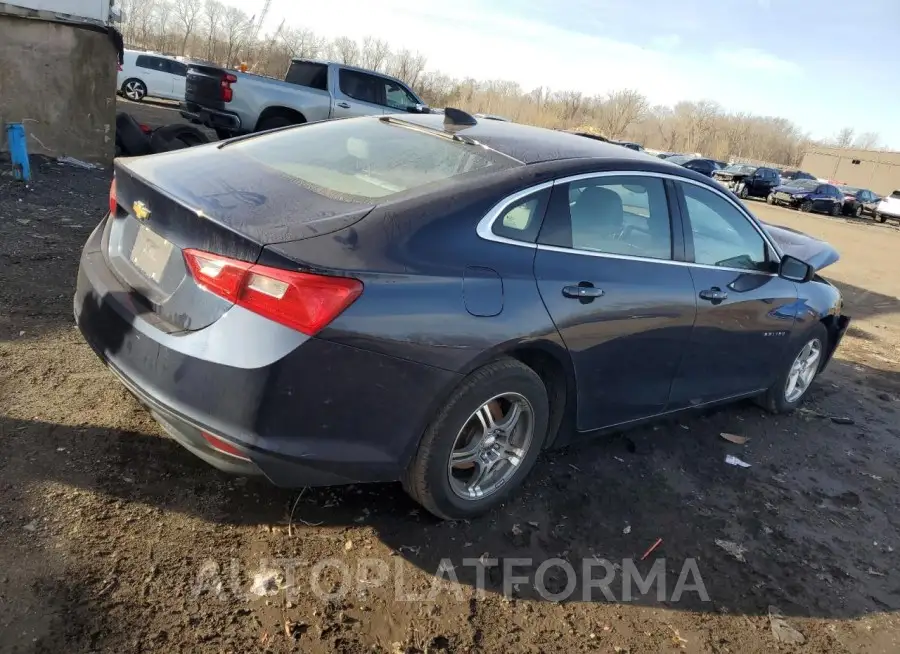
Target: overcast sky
(825,64)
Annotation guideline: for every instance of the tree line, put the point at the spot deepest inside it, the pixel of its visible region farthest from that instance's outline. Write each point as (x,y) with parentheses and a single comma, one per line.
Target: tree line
(215,32)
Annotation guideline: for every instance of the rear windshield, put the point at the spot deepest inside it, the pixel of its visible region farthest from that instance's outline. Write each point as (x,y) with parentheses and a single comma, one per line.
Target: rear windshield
(740,169)
(365,159)
(849,190)
(895,194)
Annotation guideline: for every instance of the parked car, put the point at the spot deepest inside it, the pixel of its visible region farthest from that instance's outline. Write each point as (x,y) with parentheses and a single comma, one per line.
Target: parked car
(858,201)
(666,155)
(748,181)
(809,195)
(888,207)
(628,144)
(794,175)
(703,166)
(231,102)
(144,74)
(438,299)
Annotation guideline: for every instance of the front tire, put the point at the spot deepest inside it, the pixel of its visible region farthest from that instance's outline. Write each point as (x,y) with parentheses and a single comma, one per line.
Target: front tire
(799,372)
(770,199)
(806,206)
(743,193)
(858,212)
(879,218)
(134,89)
(482,443)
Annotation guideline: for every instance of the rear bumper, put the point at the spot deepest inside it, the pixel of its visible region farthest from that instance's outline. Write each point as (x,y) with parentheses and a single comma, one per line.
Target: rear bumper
(306,412)
(212,118)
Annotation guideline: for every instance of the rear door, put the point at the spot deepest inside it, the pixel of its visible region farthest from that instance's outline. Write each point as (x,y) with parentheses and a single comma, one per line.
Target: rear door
(358,94)
(607,269)
(178,72)
(155,73)
(745,311)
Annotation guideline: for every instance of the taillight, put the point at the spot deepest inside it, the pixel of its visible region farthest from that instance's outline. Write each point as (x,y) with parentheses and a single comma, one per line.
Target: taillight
(119,67)
(301,301)
(227,92)
(113,203)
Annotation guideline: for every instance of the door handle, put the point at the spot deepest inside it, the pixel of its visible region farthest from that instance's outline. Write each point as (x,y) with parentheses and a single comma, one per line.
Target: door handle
(585,290)
(343,105)
(713,294)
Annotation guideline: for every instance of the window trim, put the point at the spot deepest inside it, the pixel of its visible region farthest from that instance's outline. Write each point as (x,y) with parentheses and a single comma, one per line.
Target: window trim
(485,225)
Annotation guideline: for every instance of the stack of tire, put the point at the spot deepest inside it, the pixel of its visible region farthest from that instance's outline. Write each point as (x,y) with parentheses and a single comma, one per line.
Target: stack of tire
(136,140)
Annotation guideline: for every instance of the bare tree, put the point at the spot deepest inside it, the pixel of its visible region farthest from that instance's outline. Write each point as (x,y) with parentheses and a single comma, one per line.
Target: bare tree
(236,25)
(345,50)
(215,11)
(844,138)
(302,44)
(187,12)
(375,53)
(620,110)
(867,141)
(407,66)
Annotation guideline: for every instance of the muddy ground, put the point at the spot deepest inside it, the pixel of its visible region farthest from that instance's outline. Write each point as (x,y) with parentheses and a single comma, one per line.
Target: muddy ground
(115,539)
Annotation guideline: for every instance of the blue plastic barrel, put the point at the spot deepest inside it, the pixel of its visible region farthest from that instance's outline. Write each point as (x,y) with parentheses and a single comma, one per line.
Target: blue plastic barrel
(18,150)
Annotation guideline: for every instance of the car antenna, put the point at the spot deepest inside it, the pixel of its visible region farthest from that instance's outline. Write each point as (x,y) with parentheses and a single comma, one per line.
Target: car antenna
(458,118)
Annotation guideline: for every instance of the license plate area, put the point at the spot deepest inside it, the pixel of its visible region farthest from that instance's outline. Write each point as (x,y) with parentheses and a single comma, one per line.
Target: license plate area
(782,196)
(151,254)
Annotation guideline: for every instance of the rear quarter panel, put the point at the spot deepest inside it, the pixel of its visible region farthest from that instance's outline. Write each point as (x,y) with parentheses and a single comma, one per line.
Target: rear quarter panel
(412,258)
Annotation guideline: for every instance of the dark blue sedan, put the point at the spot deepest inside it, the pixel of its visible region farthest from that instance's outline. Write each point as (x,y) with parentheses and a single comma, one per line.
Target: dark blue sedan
(809,195)
(437,299)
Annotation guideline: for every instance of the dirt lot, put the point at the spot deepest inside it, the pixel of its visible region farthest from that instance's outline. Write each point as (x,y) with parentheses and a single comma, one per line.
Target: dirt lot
(108,530)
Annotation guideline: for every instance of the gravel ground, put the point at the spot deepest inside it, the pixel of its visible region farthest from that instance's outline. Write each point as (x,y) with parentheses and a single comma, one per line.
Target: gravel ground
(115,539)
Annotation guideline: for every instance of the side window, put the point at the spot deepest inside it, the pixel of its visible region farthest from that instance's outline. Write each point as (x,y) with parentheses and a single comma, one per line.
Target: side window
(626,215)
(722,235)
(398,97)
(178,68)
(309,74)
(362,87)
(143,61)
(522,221)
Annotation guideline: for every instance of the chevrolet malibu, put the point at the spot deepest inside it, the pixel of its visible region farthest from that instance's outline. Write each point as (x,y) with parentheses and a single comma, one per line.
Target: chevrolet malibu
(438,299)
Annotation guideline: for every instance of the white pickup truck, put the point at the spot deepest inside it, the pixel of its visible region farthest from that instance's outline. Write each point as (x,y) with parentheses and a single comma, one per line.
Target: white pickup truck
(232,102)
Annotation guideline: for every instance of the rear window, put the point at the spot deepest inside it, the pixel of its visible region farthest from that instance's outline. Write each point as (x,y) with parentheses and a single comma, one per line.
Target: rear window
(365,159)
(307,73)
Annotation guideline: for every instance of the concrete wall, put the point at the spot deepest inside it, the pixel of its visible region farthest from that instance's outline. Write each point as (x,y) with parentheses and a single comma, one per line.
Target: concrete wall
(878,171)
(59,81)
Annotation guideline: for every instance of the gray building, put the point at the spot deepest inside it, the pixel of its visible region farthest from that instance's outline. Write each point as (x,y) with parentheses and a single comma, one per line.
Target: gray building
(876,170)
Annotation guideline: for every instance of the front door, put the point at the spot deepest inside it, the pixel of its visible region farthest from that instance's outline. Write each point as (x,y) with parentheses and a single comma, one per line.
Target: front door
(745,312)
(606,270)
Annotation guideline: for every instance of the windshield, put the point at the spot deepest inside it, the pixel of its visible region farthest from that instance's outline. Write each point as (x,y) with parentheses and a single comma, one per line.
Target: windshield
(849,190)
(740,169)
(368,158)
(804,183)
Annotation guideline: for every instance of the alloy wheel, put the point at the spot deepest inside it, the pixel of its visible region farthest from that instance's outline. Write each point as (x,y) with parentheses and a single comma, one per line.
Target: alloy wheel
(491,446)
(803,370)
(134,90)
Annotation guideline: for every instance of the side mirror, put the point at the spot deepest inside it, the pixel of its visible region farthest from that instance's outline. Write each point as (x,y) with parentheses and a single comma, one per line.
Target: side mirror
(418,109)
(795,270)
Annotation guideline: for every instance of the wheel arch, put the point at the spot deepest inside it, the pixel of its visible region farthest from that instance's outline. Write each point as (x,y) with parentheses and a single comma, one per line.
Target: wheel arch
(277,110)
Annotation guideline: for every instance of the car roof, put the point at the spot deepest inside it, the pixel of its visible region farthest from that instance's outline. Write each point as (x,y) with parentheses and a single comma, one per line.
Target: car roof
(530,144)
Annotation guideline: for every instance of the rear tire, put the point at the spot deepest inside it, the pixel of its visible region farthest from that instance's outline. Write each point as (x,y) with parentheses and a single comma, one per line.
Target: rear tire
(778,399)
(743,193)
(836,209)
(858,212)
(274,122)
(879,218)
(432,478)
(134,89)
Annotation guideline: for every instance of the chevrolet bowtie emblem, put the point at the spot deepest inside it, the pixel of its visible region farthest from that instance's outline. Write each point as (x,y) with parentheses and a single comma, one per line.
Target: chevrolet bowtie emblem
(141,211)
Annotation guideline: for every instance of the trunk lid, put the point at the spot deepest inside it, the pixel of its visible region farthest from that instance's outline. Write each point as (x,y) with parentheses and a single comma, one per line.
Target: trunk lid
(816,253)
(210,199)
